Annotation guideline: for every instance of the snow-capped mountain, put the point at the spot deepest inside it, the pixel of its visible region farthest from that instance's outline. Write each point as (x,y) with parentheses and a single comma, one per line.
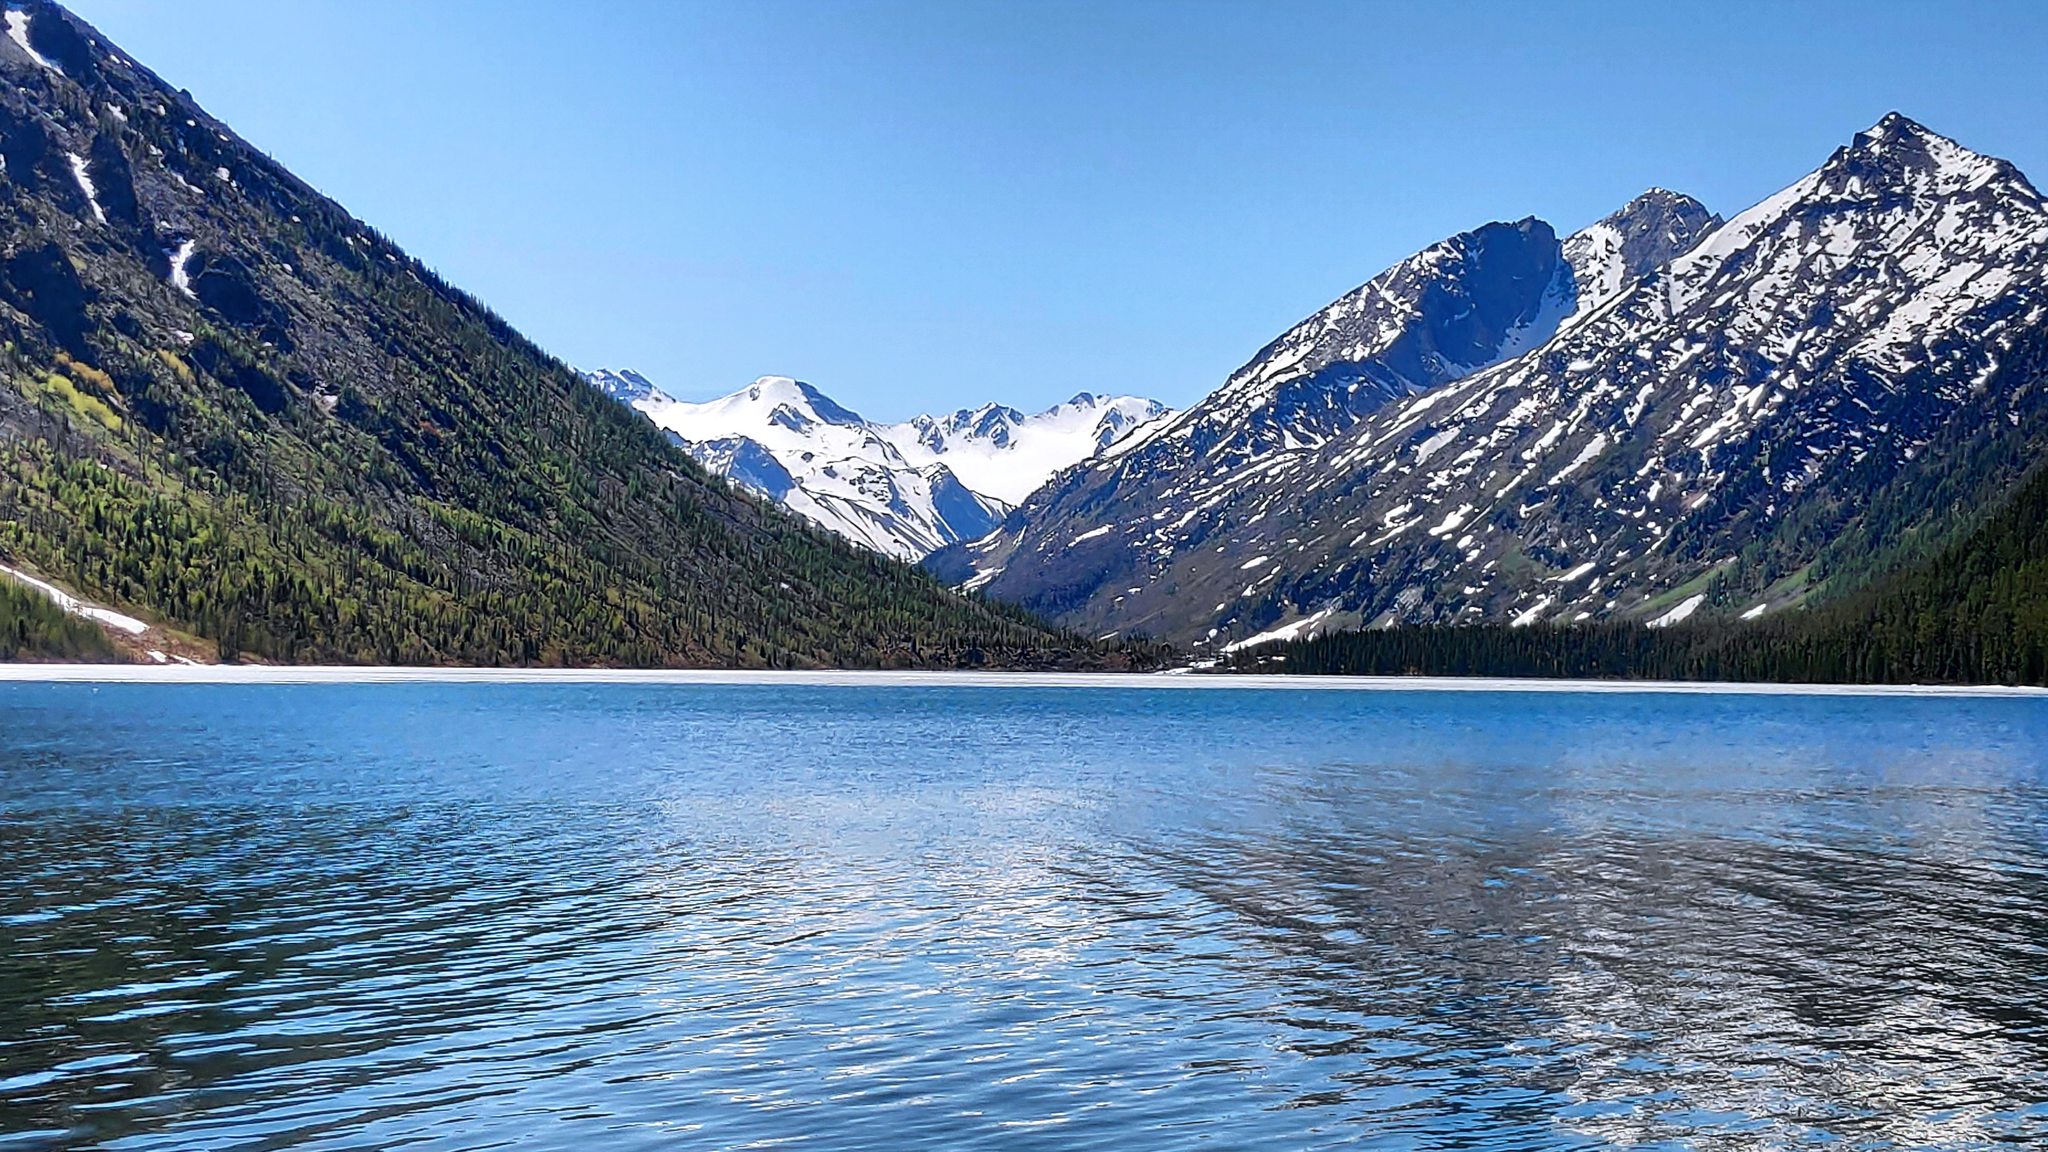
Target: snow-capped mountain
(903,489)
(1455,307)
(1658,416)
(1003,453)
(627,386)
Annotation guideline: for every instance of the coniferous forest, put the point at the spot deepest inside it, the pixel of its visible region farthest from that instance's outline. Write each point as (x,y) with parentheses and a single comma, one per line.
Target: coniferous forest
(230,408)
(32,628)
(1974,613)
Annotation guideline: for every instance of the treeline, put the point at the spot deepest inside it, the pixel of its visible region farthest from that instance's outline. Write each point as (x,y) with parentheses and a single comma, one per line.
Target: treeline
(323,581)
(32,628)
(1977,613)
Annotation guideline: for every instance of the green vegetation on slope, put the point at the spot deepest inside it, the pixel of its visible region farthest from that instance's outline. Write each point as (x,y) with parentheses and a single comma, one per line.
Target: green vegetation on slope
(227,405)
(1976,613)
(32,628)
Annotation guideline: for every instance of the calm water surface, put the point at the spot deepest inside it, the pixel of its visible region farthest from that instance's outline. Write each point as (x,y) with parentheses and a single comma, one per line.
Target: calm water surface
(449,916)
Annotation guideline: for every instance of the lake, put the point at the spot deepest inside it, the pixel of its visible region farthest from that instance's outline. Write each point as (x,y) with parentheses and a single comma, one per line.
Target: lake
(446,916)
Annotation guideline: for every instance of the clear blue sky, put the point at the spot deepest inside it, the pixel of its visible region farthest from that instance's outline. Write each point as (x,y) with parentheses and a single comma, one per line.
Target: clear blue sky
(927,205)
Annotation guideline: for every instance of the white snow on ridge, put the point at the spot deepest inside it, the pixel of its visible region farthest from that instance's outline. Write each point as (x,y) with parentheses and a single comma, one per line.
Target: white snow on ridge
(1594,255)
(904,489)
(1139,435)
(1003,453)
(74,605)
(1692,269)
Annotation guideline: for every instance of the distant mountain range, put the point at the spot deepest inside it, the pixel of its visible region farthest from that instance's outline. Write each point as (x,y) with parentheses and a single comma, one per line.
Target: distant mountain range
(903,489)
(1662,417)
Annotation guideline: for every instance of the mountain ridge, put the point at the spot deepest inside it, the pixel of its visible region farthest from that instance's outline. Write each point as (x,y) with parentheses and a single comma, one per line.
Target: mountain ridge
(1827,332)
(897,488)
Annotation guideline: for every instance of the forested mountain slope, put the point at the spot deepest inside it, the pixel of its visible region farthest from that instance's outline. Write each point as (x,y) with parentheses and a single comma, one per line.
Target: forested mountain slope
(32,627)
(231,408)
(1976,612)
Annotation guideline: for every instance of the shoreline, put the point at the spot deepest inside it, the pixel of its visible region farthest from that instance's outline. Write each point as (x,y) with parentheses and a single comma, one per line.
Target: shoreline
(270,674)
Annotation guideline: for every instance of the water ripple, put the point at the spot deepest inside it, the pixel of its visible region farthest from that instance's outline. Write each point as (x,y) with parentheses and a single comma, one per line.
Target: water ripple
(466,917)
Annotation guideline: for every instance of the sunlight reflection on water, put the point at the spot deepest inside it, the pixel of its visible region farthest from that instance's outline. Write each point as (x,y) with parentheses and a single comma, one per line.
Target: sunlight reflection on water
(453,916)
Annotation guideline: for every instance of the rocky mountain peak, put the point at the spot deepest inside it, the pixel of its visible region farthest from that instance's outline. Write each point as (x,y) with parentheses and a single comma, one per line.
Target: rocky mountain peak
(1899,155)
(805,402)
(1628,244)
(624,385)
(1657,226)
(1687,418)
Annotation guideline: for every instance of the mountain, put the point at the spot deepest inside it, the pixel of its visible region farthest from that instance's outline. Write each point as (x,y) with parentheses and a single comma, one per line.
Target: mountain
(792,444)
(1454,308)
(1458,306)
(1725,419)
(1008,455)
(234,411)
(628,387)
(901,489)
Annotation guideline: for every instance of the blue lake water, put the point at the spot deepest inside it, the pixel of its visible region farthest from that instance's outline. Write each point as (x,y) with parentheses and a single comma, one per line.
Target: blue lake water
(558,916)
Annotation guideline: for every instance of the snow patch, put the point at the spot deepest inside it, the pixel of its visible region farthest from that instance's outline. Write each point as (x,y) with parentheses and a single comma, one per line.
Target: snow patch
(79,173)
(1452,520)
(1303,628)
(17,31)
(1587,455)
(1685,609)
(74,605)
(181,277)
